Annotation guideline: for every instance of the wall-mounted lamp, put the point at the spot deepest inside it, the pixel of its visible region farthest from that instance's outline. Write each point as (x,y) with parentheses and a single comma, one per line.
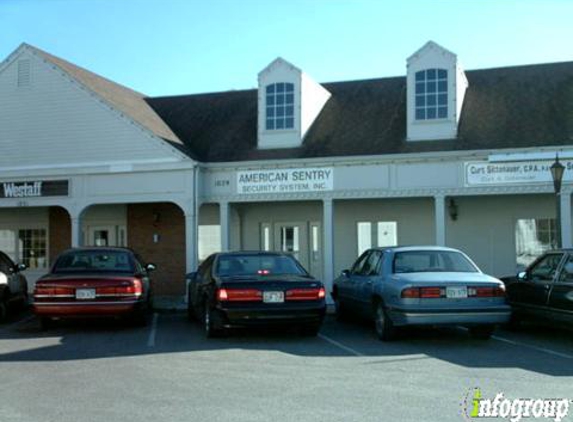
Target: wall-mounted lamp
(453,209)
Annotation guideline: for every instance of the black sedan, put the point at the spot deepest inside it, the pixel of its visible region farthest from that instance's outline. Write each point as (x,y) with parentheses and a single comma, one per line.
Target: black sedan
(245,289)
(544,291)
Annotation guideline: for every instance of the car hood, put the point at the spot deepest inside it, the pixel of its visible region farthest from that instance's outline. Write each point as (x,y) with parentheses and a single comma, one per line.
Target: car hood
(445,277)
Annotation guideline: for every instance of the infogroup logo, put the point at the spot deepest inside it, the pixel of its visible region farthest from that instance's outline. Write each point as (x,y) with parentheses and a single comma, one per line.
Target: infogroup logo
(475,406)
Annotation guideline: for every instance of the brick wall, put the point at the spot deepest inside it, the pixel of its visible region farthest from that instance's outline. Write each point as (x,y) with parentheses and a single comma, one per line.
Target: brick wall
(60,232)
(167,221)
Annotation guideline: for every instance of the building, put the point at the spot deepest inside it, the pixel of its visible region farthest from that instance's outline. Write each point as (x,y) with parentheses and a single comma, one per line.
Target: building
(442,156)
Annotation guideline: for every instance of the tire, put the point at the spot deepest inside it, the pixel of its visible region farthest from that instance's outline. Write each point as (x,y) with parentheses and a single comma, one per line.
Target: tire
(191,316)
(514,323)
(211,323)
(341,312)
(482,332)
(142,316)
(384,326)
(3,309)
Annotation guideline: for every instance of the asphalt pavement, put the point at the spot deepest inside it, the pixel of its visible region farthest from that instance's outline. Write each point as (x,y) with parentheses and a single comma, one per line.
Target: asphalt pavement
(168,371)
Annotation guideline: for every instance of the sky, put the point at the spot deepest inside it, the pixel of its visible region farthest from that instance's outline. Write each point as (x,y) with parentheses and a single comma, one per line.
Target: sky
(177,47)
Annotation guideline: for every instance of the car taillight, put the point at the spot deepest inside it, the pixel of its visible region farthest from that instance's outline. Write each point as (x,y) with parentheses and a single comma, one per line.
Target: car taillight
(134,288)
(498,291)
(306,294)
(239,295)
(423,293)
(411,293)
(53,291)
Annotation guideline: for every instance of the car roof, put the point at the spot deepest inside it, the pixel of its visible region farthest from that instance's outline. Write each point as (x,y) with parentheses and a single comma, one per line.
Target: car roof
(99,249)
(252,253)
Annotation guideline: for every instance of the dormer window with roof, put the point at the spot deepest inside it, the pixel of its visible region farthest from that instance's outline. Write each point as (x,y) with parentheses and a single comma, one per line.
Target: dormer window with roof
(436,87)
(431,94)
(280,106)
(289,102)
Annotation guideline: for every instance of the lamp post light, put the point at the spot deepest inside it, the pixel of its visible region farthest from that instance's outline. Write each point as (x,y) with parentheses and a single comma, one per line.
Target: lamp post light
(557,170)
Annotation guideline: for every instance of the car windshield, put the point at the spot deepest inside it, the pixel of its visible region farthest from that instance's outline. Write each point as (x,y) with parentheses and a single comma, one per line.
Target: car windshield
(432,261)
(89,261)
(247,265)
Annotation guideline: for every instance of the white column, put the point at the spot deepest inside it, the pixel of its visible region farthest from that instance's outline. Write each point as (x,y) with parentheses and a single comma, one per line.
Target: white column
(224,220)
(191,240)
(328,245)
(440,223)
(565,204)
(76,223)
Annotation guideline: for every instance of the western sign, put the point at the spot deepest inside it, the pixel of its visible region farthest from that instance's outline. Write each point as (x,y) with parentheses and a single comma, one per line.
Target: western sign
(33,189)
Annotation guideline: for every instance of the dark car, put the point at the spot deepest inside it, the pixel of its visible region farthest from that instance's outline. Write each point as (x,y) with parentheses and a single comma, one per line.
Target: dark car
(544,291)
(95,282)
(245,289)
(13,286)
(421,285)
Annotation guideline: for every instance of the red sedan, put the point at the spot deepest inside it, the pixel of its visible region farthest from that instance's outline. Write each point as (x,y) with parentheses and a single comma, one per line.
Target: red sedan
(94,282)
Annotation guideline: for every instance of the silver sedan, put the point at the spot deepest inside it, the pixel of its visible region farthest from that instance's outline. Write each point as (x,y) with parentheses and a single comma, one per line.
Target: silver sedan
(421,285)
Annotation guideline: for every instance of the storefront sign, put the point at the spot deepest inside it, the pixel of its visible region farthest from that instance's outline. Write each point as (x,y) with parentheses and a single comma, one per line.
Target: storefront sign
(487,174)
(285,181)
(33,189)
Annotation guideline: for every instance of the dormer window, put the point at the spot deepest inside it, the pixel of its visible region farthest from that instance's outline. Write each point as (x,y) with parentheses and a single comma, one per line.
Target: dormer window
(431,94)
(280,106)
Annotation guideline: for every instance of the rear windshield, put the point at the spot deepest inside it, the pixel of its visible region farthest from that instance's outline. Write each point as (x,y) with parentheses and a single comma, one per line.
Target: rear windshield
(89,261)
(233,265)
(432,261)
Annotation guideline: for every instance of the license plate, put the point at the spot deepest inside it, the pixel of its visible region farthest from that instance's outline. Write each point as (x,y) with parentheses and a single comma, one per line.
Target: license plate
(84,294)
(273,297)
(456,292)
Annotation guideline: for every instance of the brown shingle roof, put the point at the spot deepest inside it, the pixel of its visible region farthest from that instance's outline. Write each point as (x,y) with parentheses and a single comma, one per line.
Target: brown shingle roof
(513,107)
(126,100)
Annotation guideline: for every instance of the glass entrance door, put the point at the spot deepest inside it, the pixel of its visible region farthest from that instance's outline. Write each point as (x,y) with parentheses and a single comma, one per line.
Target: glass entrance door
(106,236)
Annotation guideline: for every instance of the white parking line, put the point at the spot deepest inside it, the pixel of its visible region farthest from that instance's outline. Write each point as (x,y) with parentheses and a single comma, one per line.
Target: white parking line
(153,331)
(340,345)
(530,346)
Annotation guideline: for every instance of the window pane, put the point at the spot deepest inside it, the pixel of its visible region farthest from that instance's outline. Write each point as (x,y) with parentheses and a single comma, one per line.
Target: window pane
(431,113)
(431,74)
(33,248)
(442,73)
(364,235)
(443,86)
(289,87)
(280,99)
(432,100)
(270,112)
(431,87)
(421,75)
(289,123)
(420,88)
(270,100)
(289,99)
(270,124)
(420,114)
(443,99)
(280,87)
(442,112)
(387,233)
(270,89)
(280,111)
(280,123)
(420,101)
(289,111)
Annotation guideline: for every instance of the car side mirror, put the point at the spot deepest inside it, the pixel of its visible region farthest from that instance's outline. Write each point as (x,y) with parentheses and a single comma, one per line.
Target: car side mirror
(18,267)
(522,275)
(150,267)
(345,273)
(190,276)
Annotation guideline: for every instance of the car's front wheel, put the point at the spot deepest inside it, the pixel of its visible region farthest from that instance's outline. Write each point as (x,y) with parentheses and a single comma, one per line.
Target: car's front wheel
(482,332)
(385,329)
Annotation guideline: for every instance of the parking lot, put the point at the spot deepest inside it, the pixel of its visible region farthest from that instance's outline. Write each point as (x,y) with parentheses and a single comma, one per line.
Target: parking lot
(93,371)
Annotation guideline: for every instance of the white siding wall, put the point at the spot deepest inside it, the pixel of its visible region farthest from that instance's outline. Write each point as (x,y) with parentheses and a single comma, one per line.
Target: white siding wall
(54,121)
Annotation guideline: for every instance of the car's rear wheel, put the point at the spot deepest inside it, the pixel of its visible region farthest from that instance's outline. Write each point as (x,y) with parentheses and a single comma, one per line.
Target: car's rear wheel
(385,329)
(341,312)
(482,332)
(3,309)
(515,322)
(191,316)
(212,323)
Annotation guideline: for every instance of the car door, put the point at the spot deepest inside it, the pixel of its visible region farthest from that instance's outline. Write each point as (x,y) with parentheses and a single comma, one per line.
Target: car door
(200,285)
(561,293)
(532,291)
(347,289)
(9,276)
(366,281)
